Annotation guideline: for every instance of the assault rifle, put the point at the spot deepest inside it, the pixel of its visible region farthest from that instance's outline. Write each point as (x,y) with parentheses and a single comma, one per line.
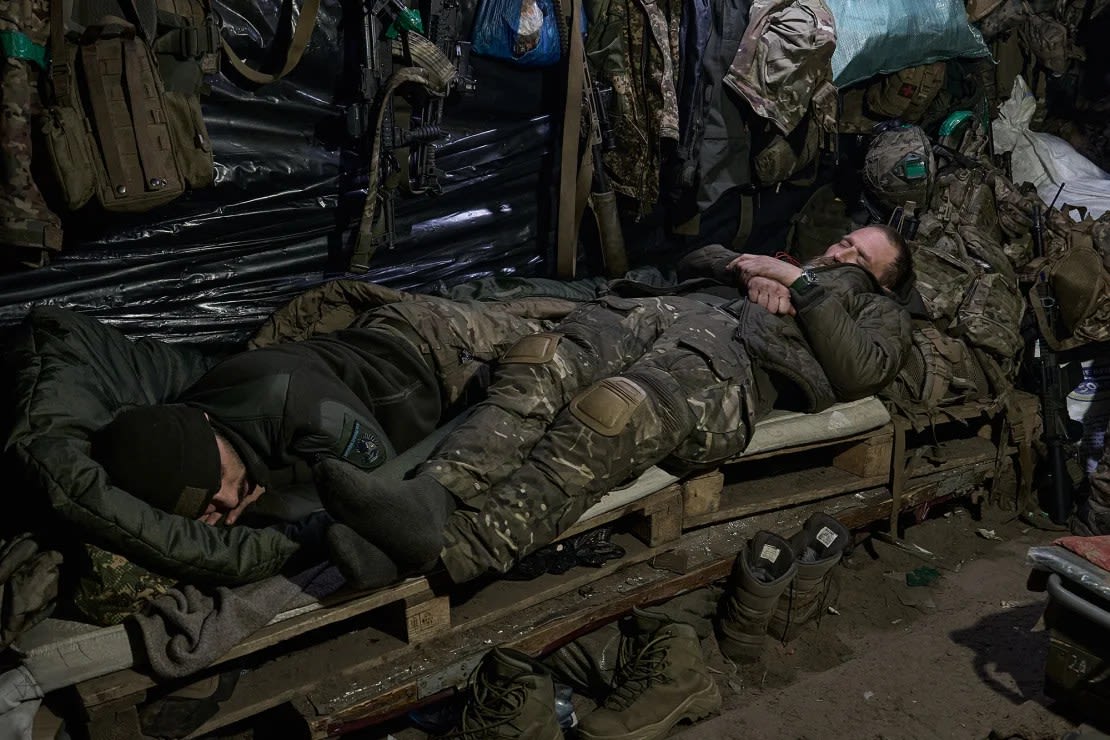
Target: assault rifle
(1057,481)
(602,199)
(431,68)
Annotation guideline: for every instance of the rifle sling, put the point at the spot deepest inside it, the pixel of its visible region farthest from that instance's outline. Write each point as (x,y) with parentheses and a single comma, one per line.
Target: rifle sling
(297,44)
(567,225)
(364,244)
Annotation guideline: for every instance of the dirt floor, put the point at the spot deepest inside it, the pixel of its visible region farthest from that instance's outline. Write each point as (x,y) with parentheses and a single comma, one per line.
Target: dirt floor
(960,657)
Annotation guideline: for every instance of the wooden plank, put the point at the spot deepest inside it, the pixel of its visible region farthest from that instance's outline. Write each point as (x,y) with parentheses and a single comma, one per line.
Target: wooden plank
(868,458)
(661,525)
(748,497)
(425,616)
(122,683)
(702,493)
(658,500)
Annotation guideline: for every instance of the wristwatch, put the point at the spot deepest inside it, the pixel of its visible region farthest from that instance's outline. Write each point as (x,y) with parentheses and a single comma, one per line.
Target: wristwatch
(805,281)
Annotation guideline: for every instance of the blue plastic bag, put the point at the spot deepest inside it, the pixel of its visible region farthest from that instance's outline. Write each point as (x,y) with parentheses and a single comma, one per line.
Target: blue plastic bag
(522,31)
(874,37)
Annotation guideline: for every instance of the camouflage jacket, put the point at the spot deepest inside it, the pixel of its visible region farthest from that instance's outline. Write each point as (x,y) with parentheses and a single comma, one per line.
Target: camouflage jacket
(631,46)
(784,58)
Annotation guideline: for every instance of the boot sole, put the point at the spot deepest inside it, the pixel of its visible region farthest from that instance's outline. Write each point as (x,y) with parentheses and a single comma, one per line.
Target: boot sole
(698,706)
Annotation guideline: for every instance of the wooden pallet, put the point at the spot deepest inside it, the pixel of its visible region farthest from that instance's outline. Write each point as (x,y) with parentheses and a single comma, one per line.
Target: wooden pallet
(402,617)
(376,655)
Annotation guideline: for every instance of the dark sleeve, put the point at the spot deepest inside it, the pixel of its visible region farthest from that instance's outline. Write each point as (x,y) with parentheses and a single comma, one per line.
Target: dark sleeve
(860,337)
(708,262)
(324,418)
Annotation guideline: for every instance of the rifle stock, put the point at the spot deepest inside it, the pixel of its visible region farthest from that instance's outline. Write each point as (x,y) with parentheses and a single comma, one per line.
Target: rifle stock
(603,201)
(429,68)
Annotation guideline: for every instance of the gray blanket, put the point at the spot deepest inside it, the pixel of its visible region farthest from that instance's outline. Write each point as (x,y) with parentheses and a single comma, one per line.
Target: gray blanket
(186,629)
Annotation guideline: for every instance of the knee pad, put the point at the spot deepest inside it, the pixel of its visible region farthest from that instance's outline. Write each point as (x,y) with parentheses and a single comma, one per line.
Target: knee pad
(607,406)
(535,349)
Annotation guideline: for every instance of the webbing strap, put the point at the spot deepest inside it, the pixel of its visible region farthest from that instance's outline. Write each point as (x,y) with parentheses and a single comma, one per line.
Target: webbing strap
(364,244)
(301,35)
(141,112)
(566,234)
(60,72)
(99,94)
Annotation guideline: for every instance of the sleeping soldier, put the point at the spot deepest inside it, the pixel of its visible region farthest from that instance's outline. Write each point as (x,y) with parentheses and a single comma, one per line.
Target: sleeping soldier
(259,419)
(625,383)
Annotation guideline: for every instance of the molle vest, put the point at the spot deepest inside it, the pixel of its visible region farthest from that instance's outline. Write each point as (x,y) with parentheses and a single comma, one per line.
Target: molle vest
(124,125)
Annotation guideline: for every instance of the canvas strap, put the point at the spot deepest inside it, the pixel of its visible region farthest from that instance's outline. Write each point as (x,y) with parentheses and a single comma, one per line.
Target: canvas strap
(297,45)
(566,251)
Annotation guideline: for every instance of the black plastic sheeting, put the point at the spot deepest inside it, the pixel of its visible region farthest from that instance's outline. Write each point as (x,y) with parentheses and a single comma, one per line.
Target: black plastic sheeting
(209,267)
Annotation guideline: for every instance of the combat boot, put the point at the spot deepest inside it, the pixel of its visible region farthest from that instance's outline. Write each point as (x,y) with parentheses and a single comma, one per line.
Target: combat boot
(817,548)
(762,571)
(509,696)
(660,679)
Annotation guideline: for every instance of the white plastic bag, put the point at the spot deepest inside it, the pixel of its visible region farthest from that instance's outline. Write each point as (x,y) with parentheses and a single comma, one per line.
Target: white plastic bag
(1048,161)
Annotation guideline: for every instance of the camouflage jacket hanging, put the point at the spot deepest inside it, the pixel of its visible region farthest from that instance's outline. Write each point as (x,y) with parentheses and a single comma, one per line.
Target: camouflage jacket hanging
(631,46)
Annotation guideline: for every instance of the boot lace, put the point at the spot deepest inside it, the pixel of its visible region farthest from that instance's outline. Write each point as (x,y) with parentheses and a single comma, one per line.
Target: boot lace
(637,670)
(490,706)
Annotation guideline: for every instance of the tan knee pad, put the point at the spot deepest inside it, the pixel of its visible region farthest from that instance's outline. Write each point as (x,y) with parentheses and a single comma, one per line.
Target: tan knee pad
(606,407)
(534,349)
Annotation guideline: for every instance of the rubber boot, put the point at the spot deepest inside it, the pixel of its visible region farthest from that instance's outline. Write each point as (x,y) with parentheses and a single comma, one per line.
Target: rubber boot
(29,230)
(508,697)
(817,548)
(660,679)
(760,575)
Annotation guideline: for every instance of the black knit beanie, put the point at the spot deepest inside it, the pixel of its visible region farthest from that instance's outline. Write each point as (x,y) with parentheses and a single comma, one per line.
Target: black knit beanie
(166,455)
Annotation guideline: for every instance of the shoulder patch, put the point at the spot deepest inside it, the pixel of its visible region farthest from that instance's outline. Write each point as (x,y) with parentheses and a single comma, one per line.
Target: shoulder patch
(363,447)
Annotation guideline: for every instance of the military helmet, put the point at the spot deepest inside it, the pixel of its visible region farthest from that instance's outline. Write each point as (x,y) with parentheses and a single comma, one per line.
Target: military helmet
(899,166)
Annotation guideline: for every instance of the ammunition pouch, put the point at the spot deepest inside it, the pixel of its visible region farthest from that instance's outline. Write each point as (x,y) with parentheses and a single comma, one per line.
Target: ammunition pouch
(114,133)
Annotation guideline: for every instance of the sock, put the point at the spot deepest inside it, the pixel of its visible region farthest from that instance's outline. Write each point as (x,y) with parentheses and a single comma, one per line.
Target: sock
(363,565)
(404,518)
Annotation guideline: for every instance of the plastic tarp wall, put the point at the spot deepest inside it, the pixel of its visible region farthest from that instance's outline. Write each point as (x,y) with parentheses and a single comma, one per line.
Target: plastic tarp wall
(208,267)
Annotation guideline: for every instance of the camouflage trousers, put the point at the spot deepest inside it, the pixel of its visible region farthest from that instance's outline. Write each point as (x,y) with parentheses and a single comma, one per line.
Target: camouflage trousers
(532,458)
(458,339)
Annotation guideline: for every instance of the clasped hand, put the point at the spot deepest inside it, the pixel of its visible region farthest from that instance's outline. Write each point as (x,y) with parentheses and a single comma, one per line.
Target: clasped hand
(767,280)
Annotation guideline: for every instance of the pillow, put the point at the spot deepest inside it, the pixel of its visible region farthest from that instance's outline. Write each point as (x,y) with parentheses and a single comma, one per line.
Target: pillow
(883,36)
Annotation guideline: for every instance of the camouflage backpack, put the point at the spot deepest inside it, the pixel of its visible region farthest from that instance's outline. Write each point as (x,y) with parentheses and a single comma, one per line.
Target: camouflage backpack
(1076,269)
(939,371)
(963,294)
(117,130)
(906,94)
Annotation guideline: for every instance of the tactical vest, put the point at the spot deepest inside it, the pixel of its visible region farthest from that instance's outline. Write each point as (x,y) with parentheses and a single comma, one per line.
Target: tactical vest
(939,370)
(123,126)
(970,296)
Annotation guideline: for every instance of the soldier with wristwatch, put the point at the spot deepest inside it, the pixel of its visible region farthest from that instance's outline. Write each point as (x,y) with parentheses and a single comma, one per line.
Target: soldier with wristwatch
(635,379)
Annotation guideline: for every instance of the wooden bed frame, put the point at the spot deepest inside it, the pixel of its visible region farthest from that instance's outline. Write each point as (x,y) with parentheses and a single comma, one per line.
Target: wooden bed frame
(372,657)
